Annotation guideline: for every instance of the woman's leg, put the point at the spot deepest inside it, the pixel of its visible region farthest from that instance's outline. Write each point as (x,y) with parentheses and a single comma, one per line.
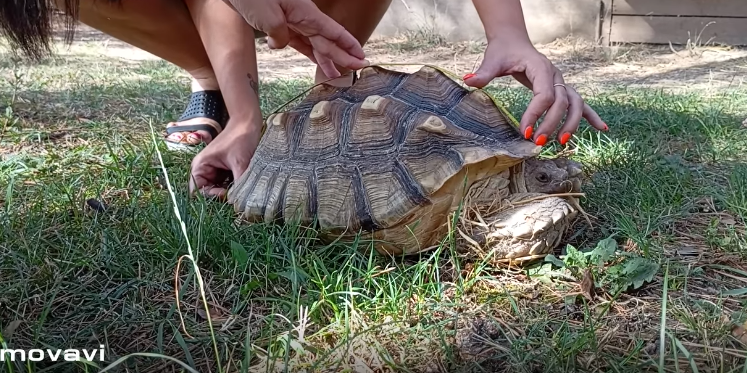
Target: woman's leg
(165,29)
(175,31)
(161,27)
(178,33)
(231,48)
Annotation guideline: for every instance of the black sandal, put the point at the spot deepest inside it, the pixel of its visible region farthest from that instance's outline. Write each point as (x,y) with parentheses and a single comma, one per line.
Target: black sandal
(202,104)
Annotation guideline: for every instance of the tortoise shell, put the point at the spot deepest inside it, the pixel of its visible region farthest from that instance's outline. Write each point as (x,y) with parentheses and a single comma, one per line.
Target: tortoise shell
(389,157)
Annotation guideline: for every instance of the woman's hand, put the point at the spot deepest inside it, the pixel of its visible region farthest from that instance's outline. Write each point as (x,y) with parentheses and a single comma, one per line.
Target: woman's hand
(300,24)
(225,158)
(510,52)
(551,96)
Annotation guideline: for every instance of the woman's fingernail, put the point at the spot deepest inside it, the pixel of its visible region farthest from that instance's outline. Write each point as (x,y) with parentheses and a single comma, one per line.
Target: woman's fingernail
(528,132)
(468,76)
(564,138)
(541,140)
(605,127)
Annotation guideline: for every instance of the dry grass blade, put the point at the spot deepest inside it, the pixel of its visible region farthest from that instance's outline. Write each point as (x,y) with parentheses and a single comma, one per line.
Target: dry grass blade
(190,254)
(663,324)
(177,297)
(145,354)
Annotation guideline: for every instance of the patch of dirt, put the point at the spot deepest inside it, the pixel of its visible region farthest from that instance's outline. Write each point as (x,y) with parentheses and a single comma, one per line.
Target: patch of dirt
(582,62)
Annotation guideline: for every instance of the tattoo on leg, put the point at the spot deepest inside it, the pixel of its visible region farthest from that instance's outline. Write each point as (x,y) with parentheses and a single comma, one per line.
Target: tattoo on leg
(253,83)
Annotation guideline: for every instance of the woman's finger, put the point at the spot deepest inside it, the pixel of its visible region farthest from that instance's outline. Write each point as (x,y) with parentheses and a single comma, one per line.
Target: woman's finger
(541,78)
(327,66)
(304,17)
(593,118)
(310,21)
(269,17)
(522,78)
(302,47)
(214,193)
(555,113)
(328,49)
(573,118)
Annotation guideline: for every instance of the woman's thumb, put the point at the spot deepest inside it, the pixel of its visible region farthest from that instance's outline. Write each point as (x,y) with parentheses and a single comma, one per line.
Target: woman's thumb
(483,76)
(278,38)
(276,28)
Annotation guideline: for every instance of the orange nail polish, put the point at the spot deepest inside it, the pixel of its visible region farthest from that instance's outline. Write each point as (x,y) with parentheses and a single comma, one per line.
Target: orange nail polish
(564,139)
(541,140)
(468,76)
(528,132)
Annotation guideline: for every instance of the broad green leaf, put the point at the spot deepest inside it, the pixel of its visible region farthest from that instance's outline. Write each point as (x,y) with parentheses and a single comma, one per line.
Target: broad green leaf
(574,257)
(554,260)
(240,255)
(604,251)
(640,270)
(541,273)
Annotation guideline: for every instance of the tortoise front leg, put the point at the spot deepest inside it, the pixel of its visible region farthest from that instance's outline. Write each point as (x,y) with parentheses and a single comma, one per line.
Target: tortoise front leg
(524,227)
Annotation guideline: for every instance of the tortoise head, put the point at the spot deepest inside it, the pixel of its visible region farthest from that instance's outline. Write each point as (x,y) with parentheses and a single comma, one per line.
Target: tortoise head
(550,176)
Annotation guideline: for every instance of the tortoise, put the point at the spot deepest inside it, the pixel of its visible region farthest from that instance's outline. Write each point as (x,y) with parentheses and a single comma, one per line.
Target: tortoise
(393,156)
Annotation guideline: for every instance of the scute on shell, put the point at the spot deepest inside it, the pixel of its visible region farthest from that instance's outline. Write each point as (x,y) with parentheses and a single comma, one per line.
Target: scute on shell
(391,156)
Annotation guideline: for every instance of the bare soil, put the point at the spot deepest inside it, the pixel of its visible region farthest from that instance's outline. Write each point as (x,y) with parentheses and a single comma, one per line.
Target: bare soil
(583,63)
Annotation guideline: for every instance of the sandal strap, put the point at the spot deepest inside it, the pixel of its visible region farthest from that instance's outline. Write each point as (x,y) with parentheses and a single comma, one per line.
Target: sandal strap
(192,128)
(205,104)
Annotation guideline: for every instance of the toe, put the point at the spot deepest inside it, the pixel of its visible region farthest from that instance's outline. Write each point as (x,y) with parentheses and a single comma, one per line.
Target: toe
(176,137)
(204,136)
(194,138)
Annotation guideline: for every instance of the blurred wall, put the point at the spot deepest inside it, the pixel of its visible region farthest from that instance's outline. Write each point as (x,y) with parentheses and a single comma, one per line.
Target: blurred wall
(457,20)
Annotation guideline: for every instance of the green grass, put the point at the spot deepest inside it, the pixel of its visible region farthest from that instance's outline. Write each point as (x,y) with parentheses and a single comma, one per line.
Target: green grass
(667,183)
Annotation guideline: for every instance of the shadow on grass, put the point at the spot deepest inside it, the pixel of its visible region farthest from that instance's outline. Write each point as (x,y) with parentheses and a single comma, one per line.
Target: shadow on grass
(730,71)
(76,279)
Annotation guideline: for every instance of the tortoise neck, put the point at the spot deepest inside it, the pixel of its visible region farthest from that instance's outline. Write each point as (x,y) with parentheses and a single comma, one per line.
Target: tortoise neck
(517,184)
